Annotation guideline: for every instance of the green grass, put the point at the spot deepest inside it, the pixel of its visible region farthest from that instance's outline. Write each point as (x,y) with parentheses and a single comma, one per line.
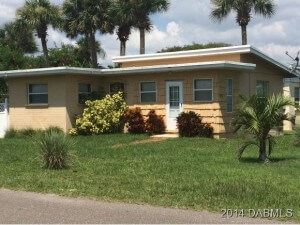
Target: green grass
(184,173)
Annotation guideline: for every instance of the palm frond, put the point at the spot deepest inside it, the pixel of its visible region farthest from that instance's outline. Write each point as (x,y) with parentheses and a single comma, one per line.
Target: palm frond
(243,148)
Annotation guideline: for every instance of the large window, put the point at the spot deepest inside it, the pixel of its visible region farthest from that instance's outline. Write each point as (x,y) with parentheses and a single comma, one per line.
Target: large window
(116,87)
(262,88)
(203,90)
(229,96)
(148,92)
(84,90)
(297,96)
(37,94)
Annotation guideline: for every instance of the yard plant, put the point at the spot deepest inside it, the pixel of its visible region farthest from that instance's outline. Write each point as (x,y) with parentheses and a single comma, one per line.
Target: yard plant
(258,116)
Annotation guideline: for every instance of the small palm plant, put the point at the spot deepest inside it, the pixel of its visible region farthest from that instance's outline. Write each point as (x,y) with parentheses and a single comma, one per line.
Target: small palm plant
(258,116)
(54,148)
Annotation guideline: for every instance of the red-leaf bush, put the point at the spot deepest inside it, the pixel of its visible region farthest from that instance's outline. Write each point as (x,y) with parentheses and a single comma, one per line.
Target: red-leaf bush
(155,124)
(135,121)
(190,125)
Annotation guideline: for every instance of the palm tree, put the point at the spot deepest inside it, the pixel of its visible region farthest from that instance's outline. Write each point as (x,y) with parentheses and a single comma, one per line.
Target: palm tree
(86,17)
(243,10)
(258,115)
(122,12)
(18,37)
(39,15)
(142,10)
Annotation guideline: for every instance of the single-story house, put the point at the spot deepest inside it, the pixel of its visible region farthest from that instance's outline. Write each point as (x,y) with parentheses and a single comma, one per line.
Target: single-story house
(207,81)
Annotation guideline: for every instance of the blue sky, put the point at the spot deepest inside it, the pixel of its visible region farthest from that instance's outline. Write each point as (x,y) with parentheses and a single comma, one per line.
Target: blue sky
(188,21)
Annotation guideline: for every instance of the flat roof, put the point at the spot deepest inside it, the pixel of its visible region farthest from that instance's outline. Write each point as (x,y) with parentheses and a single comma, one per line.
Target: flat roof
(204,52)
(130,70)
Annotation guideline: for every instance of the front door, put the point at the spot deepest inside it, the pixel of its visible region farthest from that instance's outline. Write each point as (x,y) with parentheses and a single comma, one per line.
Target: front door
(174,103)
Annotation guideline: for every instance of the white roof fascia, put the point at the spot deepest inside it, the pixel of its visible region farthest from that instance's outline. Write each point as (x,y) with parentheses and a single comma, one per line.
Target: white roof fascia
(129,70)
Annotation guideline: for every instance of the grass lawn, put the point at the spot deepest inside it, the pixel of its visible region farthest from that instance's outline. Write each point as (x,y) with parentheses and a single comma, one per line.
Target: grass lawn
(185,173)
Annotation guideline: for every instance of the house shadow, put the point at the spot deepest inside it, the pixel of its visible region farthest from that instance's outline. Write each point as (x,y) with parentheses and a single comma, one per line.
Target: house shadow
(272,159)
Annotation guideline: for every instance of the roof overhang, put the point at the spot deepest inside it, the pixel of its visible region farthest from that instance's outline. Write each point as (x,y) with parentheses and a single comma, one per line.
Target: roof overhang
(228,65)
(204,52)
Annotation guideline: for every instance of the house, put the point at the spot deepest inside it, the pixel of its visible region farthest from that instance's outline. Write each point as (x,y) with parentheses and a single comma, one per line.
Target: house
(207,81)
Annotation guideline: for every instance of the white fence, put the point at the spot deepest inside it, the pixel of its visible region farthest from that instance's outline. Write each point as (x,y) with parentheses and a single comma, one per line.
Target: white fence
(3,118)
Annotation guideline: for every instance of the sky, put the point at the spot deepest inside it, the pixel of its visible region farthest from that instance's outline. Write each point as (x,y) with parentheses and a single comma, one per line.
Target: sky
(188,21)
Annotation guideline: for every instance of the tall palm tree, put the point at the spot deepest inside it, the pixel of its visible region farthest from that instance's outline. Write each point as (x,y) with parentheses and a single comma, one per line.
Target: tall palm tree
(244,10)
(122,12)
(18,37)
(258,115)
(142,10)
(39,15)
(86,17)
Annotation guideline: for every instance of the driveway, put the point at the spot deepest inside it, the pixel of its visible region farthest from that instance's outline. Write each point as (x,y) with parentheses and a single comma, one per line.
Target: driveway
(26,207)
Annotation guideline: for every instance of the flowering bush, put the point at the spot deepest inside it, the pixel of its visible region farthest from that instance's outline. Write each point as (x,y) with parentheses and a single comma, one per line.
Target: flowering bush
(135,121)
(155,124)
(102,116)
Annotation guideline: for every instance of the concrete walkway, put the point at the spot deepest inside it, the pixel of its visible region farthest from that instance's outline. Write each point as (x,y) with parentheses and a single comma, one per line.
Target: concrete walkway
(25,207)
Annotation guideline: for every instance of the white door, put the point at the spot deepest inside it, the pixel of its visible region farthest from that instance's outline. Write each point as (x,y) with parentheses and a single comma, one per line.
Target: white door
(174,103)
(3,118)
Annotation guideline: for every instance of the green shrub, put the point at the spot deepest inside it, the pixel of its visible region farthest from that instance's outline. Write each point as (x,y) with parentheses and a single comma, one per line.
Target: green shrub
(54,129)
(54,149)
(102,116)
(155,124)
(135,121)
(297,137)
(190,125)
(23,133)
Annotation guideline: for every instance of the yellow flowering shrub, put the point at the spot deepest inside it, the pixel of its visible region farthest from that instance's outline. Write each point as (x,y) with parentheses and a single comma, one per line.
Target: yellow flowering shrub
(102,116)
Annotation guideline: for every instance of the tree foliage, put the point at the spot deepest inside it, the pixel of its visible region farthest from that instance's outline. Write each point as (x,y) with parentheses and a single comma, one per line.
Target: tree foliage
(194,46)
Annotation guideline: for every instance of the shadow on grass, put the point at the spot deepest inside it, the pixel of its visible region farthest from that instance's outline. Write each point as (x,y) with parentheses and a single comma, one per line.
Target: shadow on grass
(273,160)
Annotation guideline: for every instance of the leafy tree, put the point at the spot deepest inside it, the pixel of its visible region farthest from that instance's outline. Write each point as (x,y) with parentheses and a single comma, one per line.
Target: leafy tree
(257,116)
(194,46)
(18,37)
(142,10)
(124,18)
(86,17)
(39,15)
(244,10)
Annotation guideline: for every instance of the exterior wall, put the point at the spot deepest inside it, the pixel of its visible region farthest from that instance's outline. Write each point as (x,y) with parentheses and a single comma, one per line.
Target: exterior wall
(194,59)
(24,116)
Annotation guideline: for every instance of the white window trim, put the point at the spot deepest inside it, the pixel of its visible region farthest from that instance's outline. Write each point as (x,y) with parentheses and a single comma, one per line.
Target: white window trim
(229,95)
(144,92)
(212,89)
(79,93)
(40,93)
(109,90)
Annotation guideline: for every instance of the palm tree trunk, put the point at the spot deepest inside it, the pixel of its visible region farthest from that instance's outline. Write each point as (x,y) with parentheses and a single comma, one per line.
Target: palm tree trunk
(93,51)
(142,40)
(262,151)
(45,50)
(122,48)
(244,34)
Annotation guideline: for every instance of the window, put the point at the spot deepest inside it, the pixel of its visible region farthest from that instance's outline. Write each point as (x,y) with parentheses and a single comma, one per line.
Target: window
(37,94)
(203,91)
(229,96)
(297,96)
(84,90)
(116,87)
(148,92)
(262,88)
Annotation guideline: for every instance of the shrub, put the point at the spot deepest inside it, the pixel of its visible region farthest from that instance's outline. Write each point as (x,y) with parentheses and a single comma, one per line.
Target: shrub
(297,137)
(54,129)
(102,116)
(23,133)
(190,125)
(135,121)
(155,124)
(54,148)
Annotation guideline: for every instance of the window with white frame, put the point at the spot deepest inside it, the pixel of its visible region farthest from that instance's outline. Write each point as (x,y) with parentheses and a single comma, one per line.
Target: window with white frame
(262,88)
(37,94)
(148,92)
(84,90)
(116,87)
(229,95)
(297,96)
(203,90)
